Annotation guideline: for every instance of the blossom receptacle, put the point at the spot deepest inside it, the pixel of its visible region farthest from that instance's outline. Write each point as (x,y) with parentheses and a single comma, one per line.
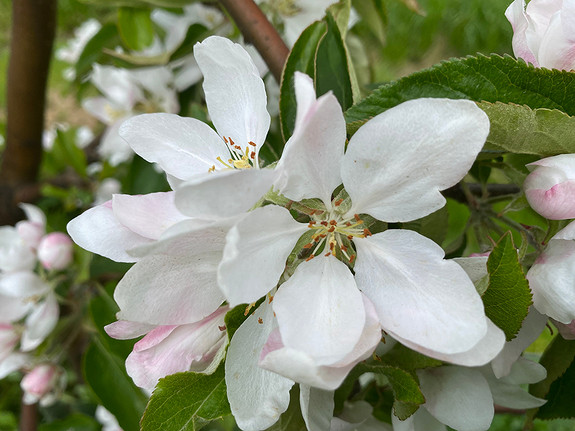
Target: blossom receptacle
(544,32)
(55,251)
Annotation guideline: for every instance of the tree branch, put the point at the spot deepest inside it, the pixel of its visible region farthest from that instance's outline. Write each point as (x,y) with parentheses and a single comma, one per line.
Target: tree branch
(28,413)
(32,37)
(258,31)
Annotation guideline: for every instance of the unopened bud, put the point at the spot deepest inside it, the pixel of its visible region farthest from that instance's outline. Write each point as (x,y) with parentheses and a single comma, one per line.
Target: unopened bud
(55,251)
(39,382)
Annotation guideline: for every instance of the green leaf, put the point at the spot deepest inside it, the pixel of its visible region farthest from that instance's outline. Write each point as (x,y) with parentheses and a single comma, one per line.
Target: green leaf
(373,13)
(136,27)
(291,419)
(234,319)
(340,12)
(520,129)
(139,3)
(483,78)
(557,359)
(332,68)
(561,397)
(407,359)
(405,387)
(433,226)
(107,37)
(187,401)
(507,298)
(195,33)
(105,373)
(301,59)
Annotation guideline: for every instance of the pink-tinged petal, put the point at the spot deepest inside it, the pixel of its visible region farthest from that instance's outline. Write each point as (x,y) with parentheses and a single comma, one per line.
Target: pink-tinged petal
(316,407)
(55,251)
(302,368)
(31,233)
(551,279)
(39,323)
(567,331)
(183,147)
(225,193)
(8,340)
(483,352)
(394,166)
(147,215)
(22,284)
(99,231)
(39,382)
(421,420)
(125,330)
(550,188)
(458,397)
(255,254)
(257,397)
(168,350)
(419,296)
(235,93)
(310,164)
(320,310)
(557,48)
(188,267)
(34,214)
(15,254)
(530,330)
(515,13)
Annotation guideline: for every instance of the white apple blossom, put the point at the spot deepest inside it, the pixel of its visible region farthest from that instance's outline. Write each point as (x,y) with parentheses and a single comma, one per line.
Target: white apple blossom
(543,33)
(224,164)
(73,49)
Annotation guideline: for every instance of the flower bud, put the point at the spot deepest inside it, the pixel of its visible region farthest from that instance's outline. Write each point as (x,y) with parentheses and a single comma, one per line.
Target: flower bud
(55,251)
(30,232)
(39,382)
(543,32)
(550,188)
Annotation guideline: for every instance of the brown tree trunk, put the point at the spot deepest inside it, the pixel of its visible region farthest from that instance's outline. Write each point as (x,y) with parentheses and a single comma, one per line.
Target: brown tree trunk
(32,37)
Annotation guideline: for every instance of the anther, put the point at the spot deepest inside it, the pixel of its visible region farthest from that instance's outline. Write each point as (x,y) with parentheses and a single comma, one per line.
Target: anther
(308,245)
(253,144)
(260,320)
(366,232)
(357,219)
(310,258)
(253,155)
(237,147)
(225,140)
(323,223)
(338,202)
(270,299)
(248,308)
(222,328)
(352,258)
(232,142)
(332,222)
(331,229)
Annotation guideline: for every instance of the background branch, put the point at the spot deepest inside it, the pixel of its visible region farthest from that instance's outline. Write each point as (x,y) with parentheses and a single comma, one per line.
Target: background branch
(258,31)
(32,38)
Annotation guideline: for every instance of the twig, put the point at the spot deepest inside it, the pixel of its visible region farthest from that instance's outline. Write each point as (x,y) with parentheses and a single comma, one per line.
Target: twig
(33,30)
(28,415)
(258,31)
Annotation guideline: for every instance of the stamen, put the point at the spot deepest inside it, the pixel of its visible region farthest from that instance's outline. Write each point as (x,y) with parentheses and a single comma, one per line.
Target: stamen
(357,219)
(338,202)
(219,159)
(252,143)
(248,308)
(212,169)
(366,232)
(332,222)
(260,320)
(225,140)
(310,257)
(253,155)
(222,328)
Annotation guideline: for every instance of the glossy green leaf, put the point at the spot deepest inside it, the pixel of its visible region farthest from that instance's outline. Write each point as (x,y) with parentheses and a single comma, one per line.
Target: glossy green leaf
(75,422)
(520,129)
(561,397)
(374,14)
(107,37)
(186,401)
(407,359)
(340,12)
(105,373)
(507,298)
(136,27)
(332,68)
(405,387)
(301,59)
(483,78)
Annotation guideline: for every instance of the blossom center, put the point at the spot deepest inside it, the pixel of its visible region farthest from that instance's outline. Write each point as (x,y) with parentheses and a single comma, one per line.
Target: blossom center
(334,233)
(239,158)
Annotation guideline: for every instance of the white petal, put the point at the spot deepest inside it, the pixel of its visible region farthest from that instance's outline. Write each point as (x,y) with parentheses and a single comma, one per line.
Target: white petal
(421,420)
(551,281)
(13,309)
(183,147)
(190,272)
(15,254)
(394,166)
(99,231)
(223,193)
(235,93)
(183,348)
(147,215)
(316,408)
(113,147)
(33,214)
(531,328)
(320,310)
(39,323)
(257,397)
(255,254)
(310,164)
(22,284)
(475,267)
(125,330)
(458,397)
(418,296)
(557,49)
(13,363)
(483,352)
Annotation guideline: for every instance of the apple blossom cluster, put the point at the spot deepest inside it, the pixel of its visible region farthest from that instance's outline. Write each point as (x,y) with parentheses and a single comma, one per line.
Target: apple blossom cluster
(307,248)
(29,308)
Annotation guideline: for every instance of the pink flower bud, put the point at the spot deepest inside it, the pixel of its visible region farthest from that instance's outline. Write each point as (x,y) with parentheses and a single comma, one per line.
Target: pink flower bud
(543,32)
(550,188)
(55,251)
(39,382)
